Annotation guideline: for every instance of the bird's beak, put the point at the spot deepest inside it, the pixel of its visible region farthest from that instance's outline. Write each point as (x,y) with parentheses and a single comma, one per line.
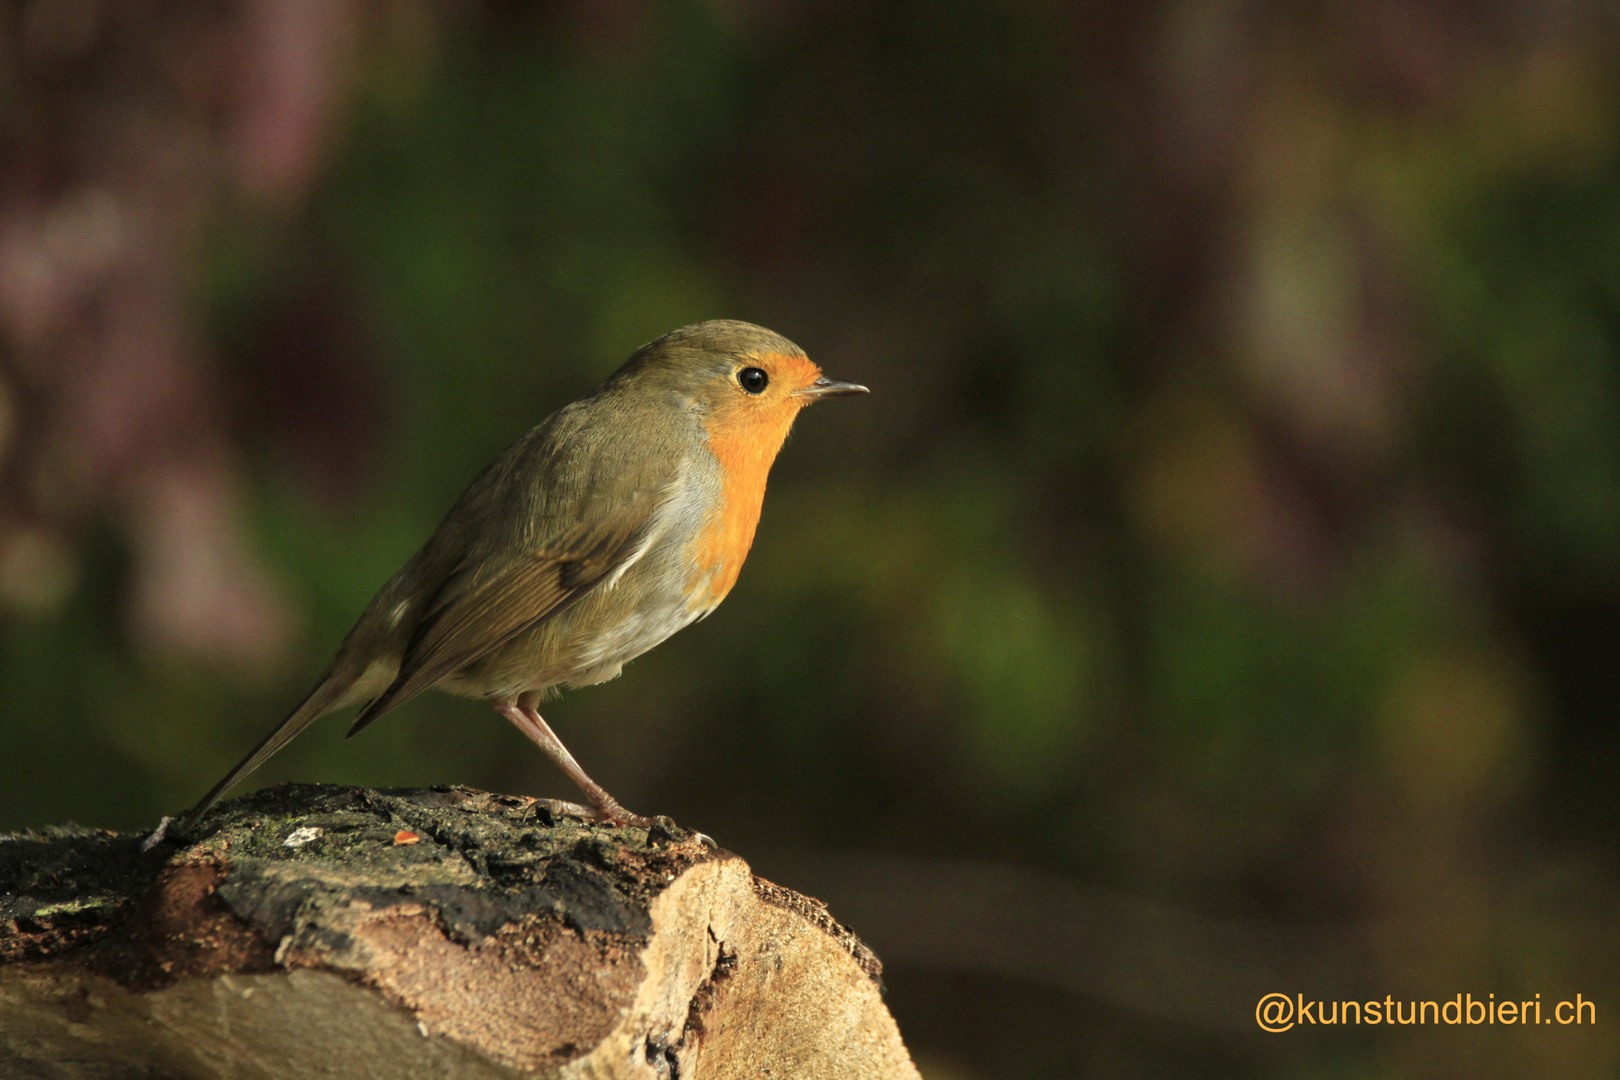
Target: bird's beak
(825,387)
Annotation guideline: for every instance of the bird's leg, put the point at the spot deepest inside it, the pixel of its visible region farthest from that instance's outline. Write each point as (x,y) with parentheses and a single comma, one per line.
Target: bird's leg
(523,714)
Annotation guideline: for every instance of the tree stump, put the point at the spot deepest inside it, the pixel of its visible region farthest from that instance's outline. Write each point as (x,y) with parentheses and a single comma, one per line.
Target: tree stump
(315,931)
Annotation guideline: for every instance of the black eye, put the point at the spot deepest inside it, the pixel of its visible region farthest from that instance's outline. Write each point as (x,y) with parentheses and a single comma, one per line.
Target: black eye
(753,379)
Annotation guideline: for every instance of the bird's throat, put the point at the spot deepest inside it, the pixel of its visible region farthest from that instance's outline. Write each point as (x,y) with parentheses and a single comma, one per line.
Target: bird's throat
(745,452)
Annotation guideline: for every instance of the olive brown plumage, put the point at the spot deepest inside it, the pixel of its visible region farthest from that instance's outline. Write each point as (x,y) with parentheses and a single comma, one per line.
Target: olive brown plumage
(617,521)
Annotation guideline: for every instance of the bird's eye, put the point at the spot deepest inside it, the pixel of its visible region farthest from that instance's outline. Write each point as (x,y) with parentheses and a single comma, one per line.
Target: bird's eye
(753,379)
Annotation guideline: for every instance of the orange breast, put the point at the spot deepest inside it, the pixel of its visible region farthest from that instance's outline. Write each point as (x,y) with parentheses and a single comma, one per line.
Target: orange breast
(746,446)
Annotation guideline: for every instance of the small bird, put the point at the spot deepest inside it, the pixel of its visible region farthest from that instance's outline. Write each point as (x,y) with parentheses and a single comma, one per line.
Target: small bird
(617,521)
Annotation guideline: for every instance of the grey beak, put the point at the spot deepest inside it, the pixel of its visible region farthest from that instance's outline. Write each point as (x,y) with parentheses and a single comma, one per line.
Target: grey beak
(825,387)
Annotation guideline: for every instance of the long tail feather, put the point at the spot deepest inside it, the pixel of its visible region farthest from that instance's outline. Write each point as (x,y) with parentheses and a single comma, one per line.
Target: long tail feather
(396,695)
(321,700)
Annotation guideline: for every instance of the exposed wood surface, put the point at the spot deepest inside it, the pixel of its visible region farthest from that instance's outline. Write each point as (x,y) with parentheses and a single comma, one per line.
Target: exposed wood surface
(341,932)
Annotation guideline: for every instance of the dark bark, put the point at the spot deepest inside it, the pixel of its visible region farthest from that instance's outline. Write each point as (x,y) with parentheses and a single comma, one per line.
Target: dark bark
(313,930)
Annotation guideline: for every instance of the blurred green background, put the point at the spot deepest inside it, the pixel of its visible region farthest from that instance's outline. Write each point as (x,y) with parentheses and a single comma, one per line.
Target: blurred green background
(1218,594)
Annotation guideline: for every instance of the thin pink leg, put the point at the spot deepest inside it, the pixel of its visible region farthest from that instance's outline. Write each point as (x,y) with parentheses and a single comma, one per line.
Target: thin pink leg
(523,714)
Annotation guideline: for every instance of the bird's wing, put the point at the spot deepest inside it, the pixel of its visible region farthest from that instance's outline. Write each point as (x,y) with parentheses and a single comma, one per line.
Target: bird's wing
(490,600)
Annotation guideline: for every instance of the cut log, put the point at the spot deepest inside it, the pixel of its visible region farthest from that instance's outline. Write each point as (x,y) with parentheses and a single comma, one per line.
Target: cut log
(313,931)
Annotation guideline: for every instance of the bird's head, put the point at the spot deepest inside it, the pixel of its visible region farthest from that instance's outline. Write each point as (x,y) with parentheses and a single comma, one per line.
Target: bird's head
(744,380)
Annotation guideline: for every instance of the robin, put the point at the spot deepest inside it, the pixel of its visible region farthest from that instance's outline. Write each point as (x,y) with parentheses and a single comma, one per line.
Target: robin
(616,522)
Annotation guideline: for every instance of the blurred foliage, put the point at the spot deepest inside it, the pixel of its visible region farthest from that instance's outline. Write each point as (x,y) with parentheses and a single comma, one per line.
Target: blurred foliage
(1235,520)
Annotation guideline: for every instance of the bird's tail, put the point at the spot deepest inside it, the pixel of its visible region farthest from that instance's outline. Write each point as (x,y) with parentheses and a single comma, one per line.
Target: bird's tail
(323,699)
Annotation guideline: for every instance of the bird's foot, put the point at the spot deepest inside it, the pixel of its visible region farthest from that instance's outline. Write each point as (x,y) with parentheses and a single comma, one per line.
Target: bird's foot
(564,808)
(610,812)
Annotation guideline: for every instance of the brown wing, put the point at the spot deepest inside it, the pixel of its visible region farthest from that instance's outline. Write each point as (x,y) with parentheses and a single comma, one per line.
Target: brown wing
(482,606)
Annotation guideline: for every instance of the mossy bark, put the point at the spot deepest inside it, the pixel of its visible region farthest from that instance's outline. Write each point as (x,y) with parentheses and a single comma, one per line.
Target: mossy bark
(320,931)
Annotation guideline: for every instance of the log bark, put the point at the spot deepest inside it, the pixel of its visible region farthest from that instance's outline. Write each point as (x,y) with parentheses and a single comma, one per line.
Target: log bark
(314,931)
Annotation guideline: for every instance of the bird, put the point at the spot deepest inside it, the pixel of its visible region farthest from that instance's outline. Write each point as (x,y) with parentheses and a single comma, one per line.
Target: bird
(615,522)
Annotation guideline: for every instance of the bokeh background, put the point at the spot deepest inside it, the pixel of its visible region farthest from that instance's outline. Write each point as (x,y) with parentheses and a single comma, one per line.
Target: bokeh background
(1219,592)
